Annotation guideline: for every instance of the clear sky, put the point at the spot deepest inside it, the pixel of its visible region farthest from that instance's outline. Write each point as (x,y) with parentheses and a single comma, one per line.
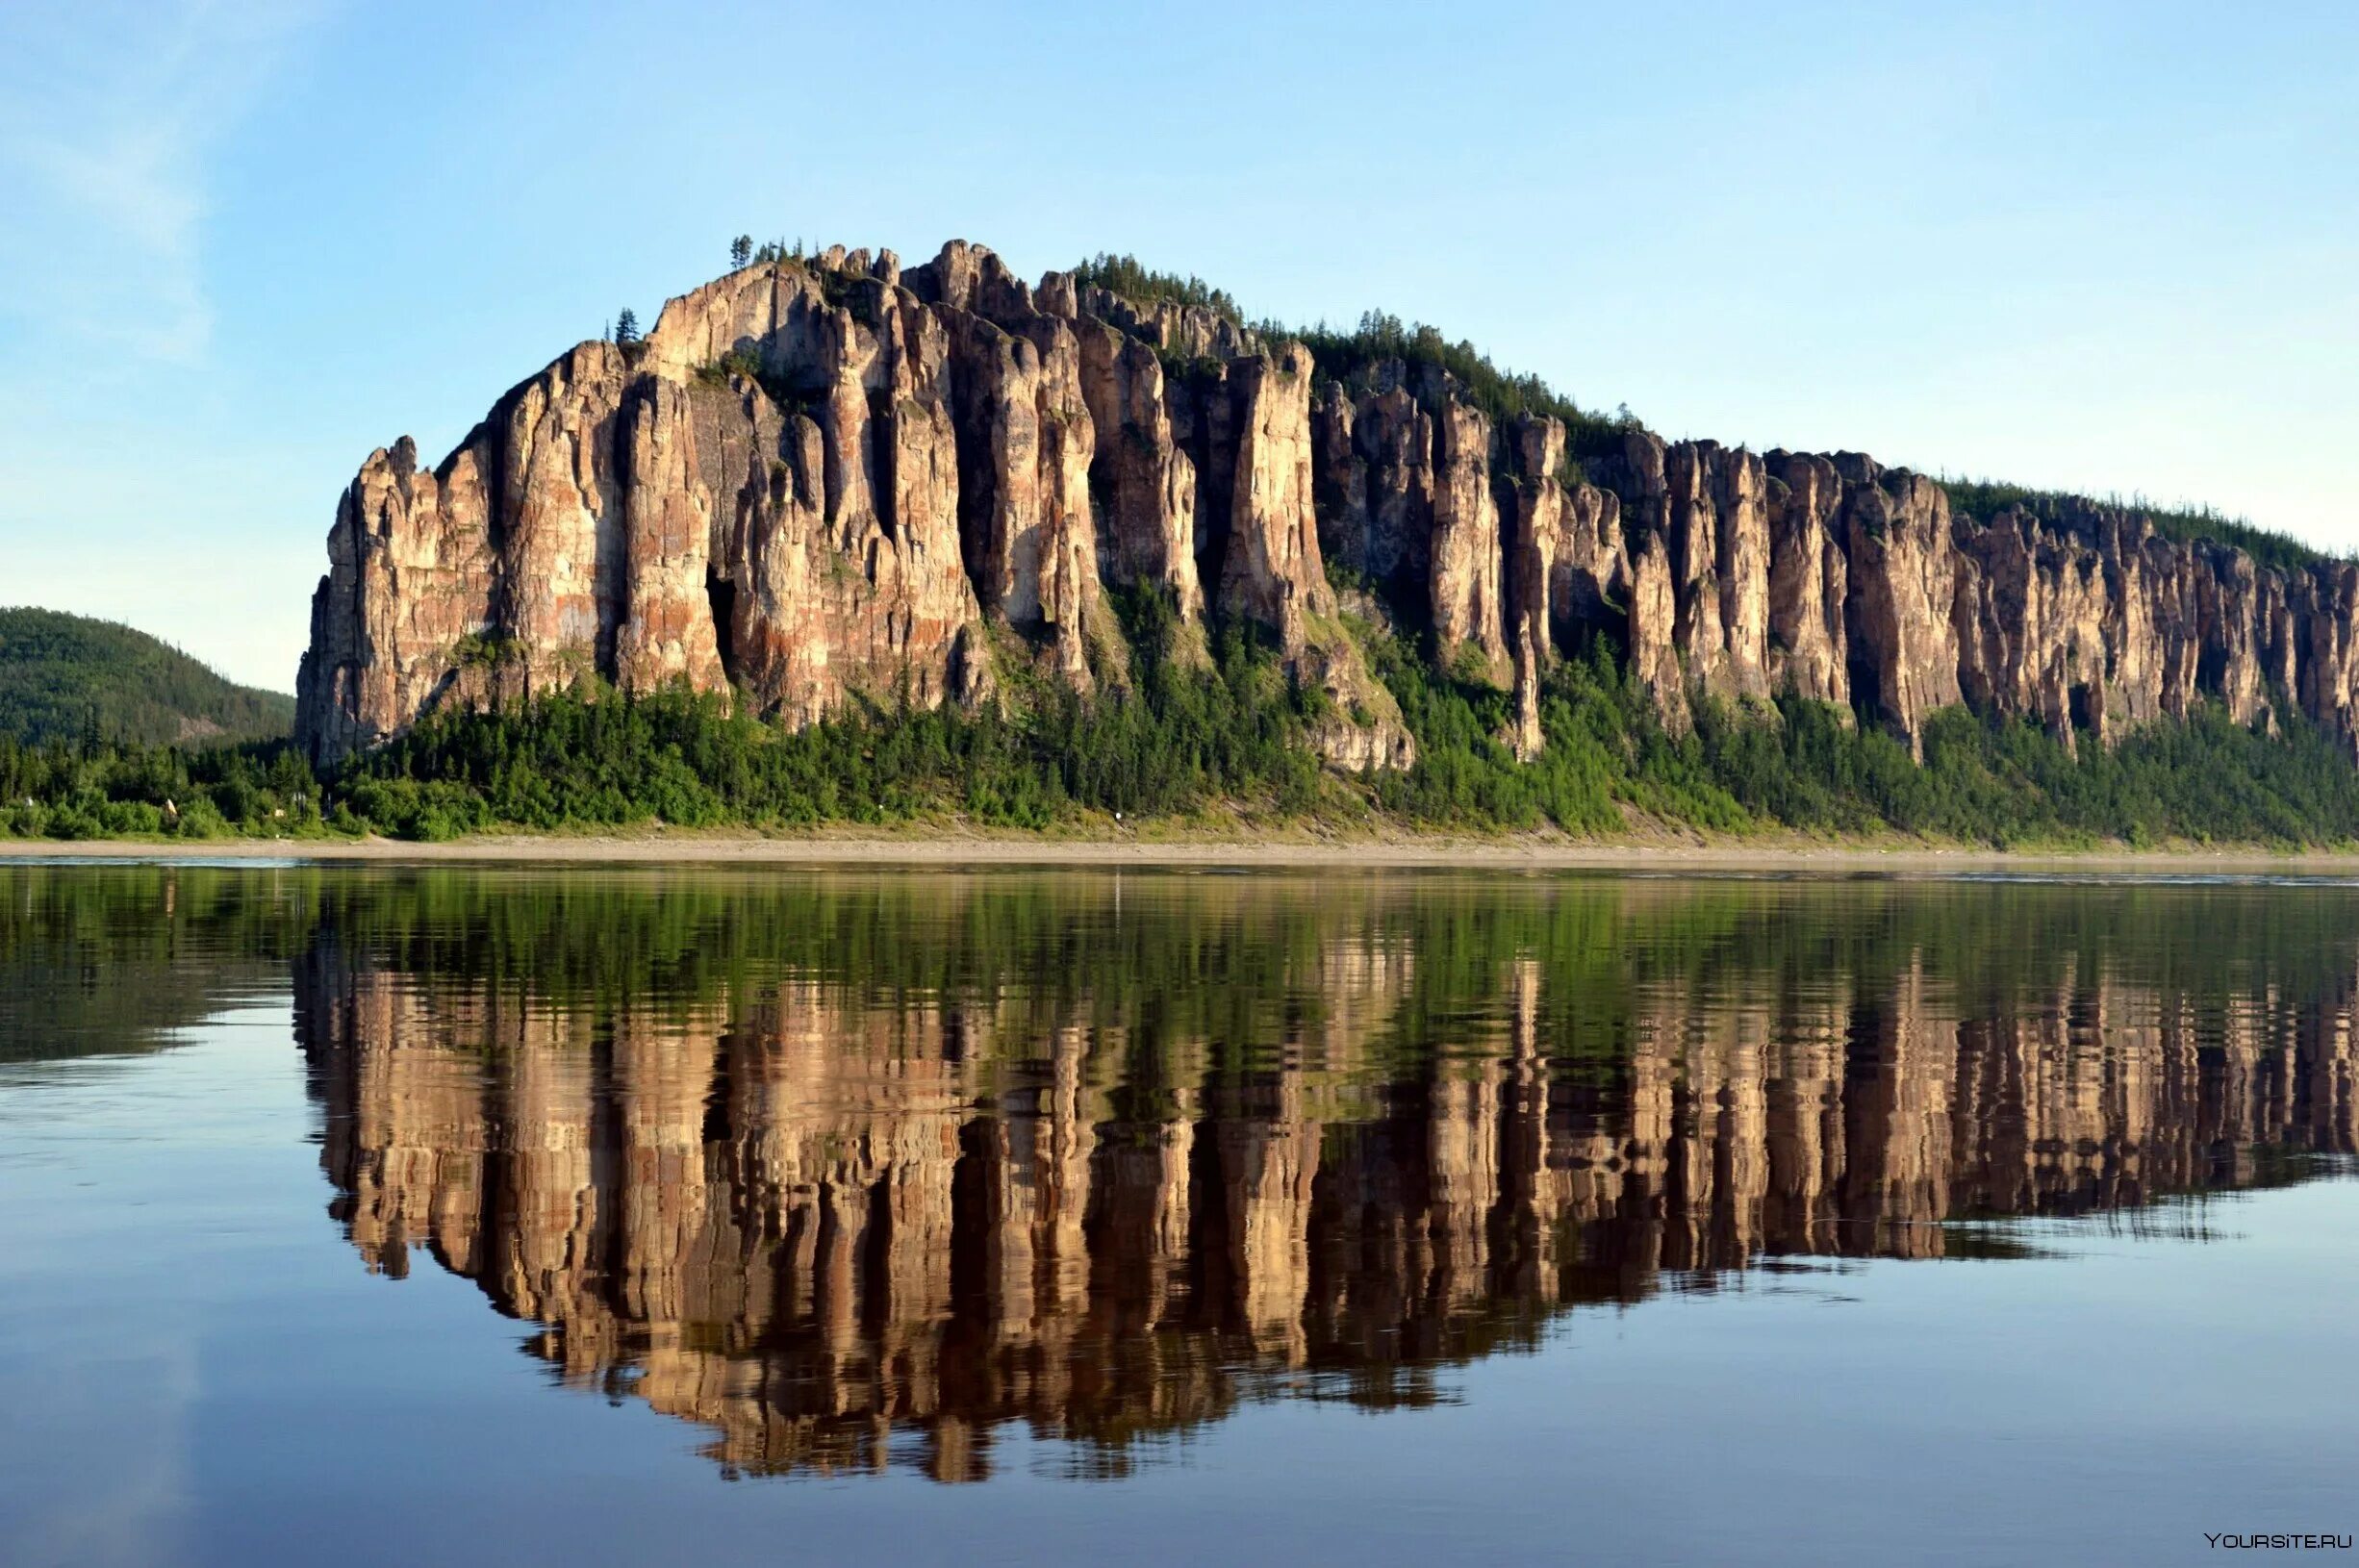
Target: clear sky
(243,242)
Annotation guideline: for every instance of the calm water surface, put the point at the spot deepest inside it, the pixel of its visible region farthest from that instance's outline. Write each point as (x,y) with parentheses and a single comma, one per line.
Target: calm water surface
(509,1216)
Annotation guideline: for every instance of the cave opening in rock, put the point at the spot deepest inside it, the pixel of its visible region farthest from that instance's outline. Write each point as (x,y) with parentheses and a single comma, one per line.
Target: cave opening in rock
(2212,669)
(2084,704)
(722,595)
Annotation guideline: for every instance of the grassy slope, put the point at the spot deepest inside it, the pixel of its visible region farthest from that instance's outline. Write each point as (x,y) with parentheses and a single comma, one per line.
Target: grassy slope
(59,672)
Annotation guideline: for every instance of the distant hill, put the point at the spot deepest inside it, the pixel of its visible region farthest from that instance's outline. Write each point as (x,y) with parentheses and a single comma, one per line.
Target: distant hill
(59,671)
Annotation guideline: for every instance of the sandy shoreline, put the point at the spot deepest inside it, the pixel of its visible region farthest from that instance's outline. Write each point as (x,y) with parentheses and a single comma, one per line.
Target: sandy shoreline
(949,850)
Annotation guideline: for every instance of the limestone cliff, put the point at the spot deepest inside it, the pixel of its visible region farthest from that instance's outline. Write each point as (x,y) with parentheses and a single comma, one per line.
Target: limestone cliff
(834,482)
(1838,580)
(822,483)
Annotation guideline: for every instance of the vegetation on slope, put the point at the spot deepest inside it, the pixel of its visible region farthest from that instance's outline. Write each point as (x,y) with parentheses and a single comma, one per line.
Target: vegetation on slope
(69,678)
(1982,499)
(1503,395)
(1227,739)
(1230,738)
(2004,783)
(1340,352)
(1143,285)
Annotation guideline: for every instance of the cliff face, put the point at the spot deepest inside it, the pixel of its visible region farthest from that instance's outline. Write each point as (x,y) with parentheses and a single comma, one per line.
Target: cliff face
(826,482)
(1835,579)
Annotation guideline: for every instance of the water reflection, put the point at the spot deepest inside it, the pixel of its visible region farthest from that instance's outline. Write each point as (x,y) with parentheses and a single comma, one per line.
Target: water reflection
(857,1171)
(118,960)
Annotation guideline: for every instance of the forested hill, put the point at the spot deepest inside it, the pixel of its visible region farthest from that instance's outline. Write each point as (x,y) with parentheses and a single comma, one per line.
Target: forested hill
(65,677)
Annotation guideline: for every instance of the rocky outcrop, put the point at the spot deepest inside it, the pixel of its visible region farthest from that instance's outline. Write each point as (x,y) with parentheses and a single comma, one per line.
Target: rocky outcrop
(1026,522)
(1468,569)
(2031,616)
(1147,532)
(641,513)
(1271,572)
(1568,575)
(409,587)
(1381,461)
(1737,578)
(667,631)
(1189,332)
(825,483)
(820,483)
(1838,580)
(1903,571)
(1737,505)
(1525,737)
(1809,581)
(1655,653)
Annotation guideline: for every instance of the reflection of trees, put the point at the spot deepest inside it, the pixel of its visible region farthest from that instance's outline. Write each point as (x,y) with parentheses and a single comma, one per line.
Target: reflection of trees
(855,1170)
(109,959)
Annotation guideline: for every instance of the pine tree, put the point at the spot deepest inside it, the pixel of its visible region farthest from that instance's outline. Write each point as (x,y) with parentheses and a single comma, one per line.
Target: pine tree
(626,326)
(741,250)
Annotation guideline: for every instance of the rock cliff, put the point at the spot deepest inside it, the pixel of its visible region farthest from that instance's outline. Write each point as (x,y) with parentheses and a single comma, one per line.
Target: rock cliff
(1838,580)
(834,482)
(823,483)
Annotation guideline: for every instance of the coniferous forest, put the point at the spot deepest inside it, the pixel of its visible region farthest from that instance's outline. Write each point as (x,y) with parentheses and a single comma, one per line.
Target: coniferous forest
(68,677)
(1216,741)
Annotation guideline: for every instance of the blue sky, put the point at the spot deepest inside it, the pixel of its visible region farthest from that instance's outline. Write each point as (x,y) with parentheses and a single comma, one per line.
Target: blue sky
(2110,247)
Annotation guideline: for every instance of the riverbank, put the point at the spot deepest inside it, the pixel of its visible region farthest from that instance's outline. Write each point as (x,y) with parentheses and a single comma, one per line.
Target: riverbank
(1404,852)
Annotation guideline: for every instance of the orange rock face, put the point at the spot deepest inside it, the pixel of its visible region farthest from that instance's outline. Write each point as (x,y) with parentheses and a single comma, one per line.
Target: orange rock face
(822,481)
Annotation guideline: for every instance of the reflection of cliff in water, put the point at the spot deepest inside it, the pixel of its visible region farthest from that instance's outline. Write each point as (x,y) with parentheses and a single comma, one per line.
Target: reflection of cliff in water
(885,1167)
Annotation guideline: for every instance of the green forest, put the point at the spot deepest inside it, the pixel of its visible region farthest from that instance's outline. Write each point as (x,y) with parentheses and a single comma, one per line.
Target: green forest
(66,677)
(1217,741)
(1984,499)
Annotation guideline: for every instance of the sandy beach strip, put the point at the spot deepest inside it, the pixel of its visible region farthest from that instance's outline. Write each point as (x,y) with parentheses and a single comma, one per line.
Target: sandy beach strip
(1296,852)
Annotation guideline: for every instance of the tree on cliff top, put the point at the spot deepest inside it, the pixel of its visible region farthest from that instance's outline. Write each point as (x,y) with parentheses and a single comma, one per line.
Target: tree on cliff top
(1339,352)
(1982,499)
(741,250)
(626,326)
(1124,275)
